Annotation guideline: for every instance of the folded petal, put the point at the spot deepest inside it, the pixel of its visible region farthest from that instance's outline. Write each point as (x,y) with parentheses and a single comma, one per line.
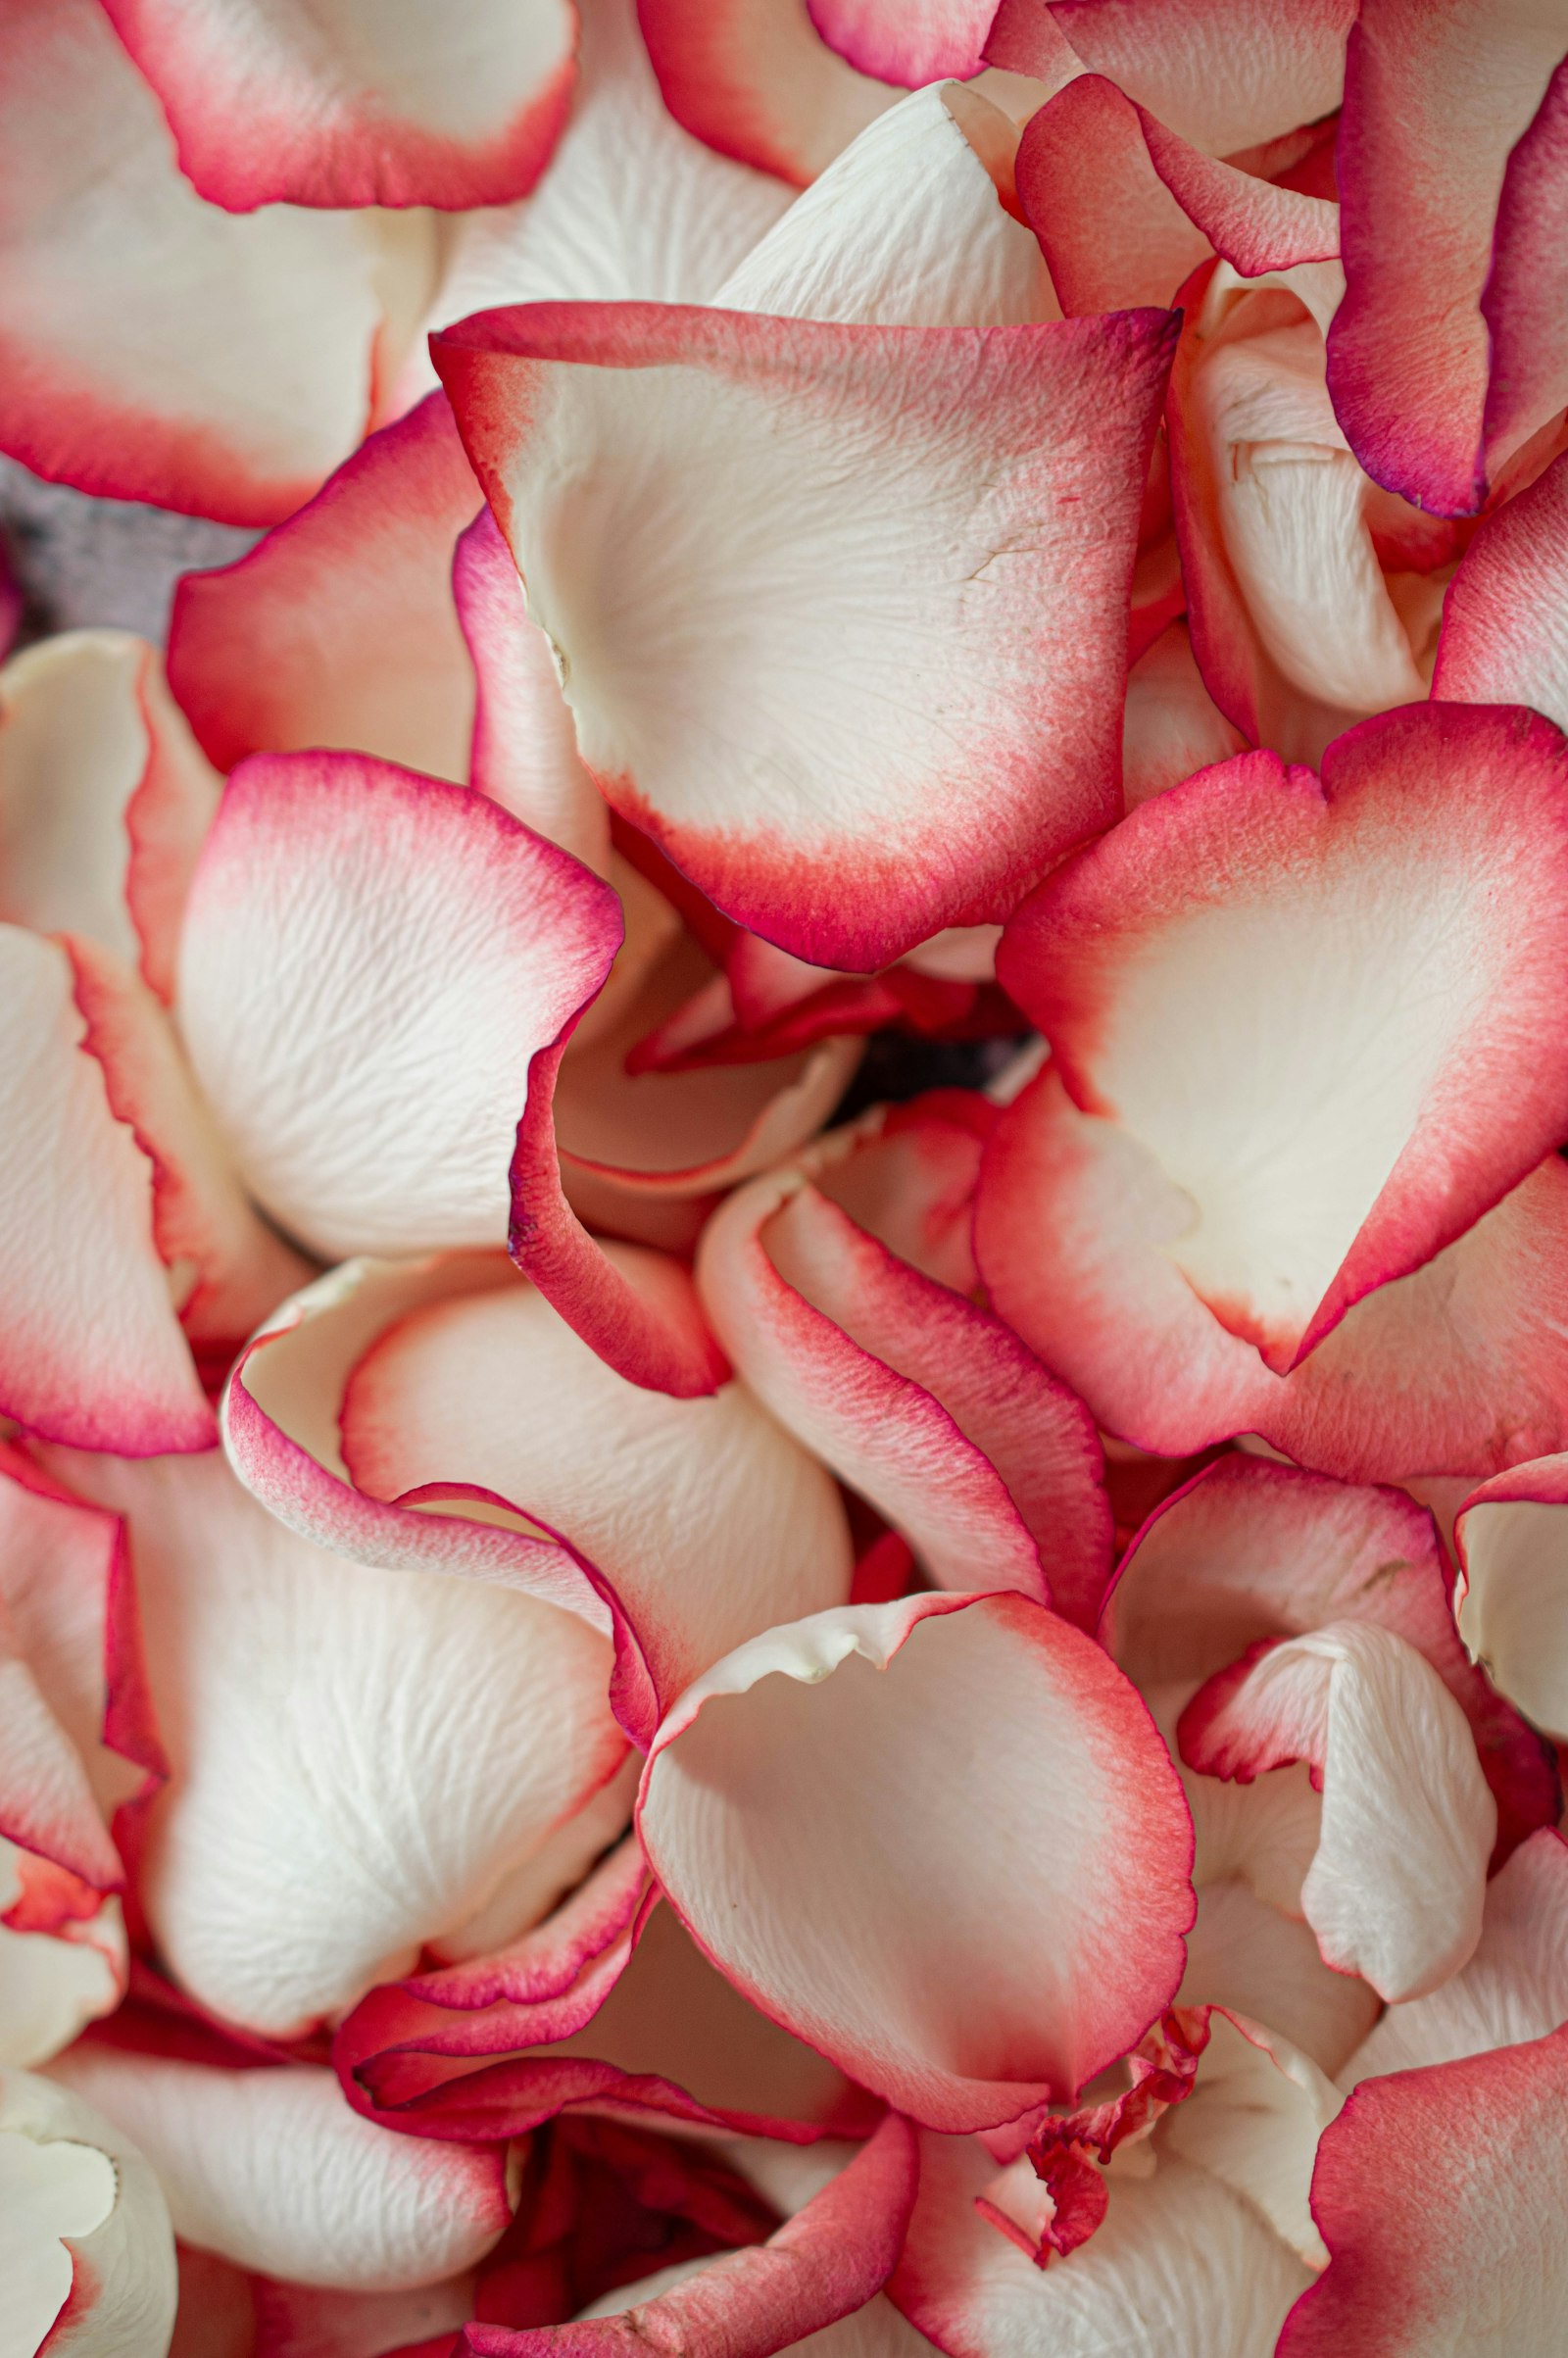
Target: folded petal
(1434,102)
(369,1058)
(658,2037)
(1251,1551)
(754,79)
(799,1810)
(926,1405)
(1503,639)
(338,628)
(907,228)
(1459,1369)
(92,1352)
(113,263)
(350,106)
(104,799)
(1437,2194)
(271,2169)
(823,2265)
(1514,1987)
(1172,965)
(1223,74)
(85,2250)
(1513,1602)
(1294,618)
(458,1380)
(1180,2264)
(286,1868)
(998,603)
(1395,1891)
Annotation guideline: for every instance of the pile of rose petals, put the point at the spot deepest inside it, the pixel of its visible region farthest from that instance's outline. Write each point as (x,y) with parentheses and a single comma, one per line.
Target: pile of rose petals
(664,1689)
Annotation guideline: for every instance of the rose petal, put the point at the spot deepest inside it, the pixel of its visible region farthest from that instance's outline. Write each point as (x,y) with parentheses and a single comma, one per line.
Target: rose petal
(354,106)
(113,263)
(92,1352)
(928,1406)
(369,1057)
(338,628)
(752,80)
(1459,1367)
(85,2252)
(362,1759)
(1010,1992)
(551,394)
(1320,1161)
(271,2169)
(1179,2264)
(1434,102)
(1441,2241)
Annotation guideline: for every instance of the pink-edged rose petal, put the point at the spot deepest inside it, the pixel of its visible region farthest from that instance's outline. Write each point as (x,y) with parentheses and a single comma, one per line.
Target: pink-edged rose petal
(357,105)
(1459,1369)
(809,1797)
(755,79)
(1435,99)
(1224,73)
(1248,1551)
(338,629)
(286,1868)
(1179,2264)
(927,1405)
(479,1428)
(1430,1096)
(822,2266)
(1512,1608)
(155,347)
(92,1352)
(1503,639)
(996,604)
(1437,2194)
(894,41)
(269,2168)
(650,2032)
(87,2257)
(370,1056)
